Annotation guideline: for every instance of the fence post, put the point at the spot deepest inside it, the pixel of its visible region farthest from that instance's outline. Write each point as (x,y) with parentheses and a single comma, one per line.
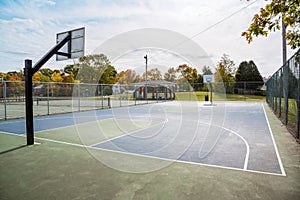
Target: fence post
(156,94)
(286,92)
(48,95)
(135,95)
(273,93)
(78,95)
(298,103)
(280,88)
(101,95)
(276,94)
(245,87)
(4,99)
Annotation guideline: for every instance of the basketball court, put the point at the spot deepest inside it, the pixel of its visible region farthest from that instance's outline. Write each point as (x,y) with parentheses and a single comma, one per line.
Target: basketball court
(231,135)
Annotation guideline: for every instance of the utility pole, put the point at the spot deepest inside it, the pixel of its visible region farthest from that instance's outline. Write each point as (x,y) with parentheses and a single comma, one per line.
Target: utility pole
(285,73)
(283,42)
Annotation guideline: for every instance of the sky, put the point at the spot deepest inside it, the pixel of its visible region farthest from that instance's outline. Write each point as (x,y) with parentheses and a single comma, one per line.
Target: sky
(28,30)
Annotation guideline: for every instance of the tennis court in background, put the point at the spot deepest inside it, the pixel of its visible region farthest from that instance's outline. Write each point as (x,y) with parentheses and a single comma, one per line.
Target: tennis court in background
(233,135)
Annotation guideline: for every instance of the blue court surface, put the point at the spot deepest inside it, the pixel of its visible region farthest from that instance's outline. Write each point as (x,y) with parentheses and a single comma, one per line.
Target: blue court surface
(233,135)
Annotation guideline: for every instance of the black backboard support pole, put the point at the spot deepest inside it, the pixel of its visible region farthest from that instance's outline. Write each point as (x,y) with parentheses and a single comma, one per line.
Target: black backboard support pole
(29,102)
(28,72)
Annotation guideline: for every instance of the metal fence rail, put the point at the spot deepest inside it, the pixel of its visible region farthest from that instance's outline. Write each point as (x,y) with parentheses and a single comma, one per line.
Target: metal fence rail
(54,97)
(283,94)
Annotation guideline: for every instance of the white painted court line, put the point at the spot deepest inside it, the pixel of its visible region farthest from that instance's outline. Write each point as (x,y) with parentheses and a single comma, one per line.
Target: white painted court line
(126,134)
(61,142)
(50,129)
(127,153)
(8,133)
(235,133)
(247,146)
(186,162)
(274,144)
(245,162)
(243,139)
(71,117)
(159,158)
(47,117)
(72,125)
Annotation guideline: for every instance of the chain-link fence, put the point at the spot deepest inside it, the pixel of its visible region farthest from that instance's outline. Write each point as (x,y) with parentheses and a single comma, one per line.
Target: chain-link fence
(283,94)
(53,97)
(223,91)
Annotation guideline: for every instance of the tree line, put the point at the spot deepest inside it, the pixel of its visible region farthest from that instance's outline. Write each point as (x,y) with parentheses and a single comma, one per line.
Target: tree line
(97,69)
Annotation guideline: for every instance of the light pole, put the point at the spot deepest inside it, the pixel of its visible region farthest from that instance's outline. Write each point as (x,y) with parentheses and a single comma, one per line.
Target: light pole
(146,58)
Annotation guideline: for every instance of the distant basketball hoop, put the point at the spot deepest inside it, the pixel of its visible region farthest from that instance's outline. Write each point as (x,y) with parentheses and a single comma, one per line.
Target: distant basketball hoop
(208,78)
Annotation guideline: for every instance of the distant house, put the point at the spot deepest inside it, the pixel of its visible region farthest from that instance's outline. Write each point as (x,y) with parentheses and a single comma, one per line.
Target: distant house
(154,90)
(38,90)
(117,88)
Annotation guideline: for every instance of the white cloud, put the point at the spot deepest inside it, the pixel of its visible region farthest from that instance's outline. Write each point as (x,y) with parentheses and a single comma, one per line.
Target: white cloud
(28,28)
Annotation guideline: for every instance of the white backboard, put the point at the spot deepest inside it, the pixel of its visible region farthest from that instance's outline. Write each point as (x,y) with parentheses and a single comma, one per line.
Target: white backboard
(208,78)
(75,47)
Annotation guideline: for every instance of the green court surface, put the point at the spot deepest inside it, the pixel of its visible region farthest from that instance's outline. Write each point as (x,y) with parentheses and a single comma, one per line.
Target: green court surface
(70,134)
(58,170)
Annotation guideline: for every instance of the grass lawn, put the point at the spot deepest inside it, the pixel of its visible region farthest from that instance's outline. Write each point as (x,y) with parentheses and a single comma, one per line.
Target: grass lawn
(200,96)
(292,112)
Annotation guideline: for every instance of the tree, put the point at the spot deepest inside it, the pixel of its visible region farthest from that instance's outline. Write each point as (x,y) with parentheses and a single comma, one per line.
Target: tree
(109,75)
(270,17)
(3,75)
(71,69)
(37,77)
(225,72)
(96,68)
(68,78)
(15,86)
(14,76)
(187,72)
(199,86)
(138,78)
(206,70)
(248,72)
(45,78)
(127,77)
(153,74)
(188,77)
(170,75)
(56,77)
(46,71)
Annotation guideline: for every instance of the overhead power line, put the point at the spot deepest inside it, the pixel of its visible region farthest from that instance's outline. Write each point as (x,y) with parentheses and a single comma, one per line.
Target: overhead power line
(213,25)
(224,19)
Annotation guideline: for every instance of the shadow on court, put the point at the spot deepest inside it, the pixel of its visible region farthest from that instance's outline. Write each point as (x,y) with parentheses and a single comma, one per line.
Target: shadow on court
(53,170)
(13,149)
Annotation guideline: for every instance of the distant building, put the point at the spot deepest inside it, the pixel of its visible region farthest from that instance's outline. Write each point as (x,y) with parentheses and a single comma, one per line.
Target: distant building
(117,88)
(156,90)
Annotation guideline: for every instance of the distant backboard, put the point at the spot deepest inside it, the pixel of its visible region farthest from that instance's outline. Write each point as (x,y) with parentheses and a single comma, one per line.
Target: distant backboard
(208,78)
(73,48)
